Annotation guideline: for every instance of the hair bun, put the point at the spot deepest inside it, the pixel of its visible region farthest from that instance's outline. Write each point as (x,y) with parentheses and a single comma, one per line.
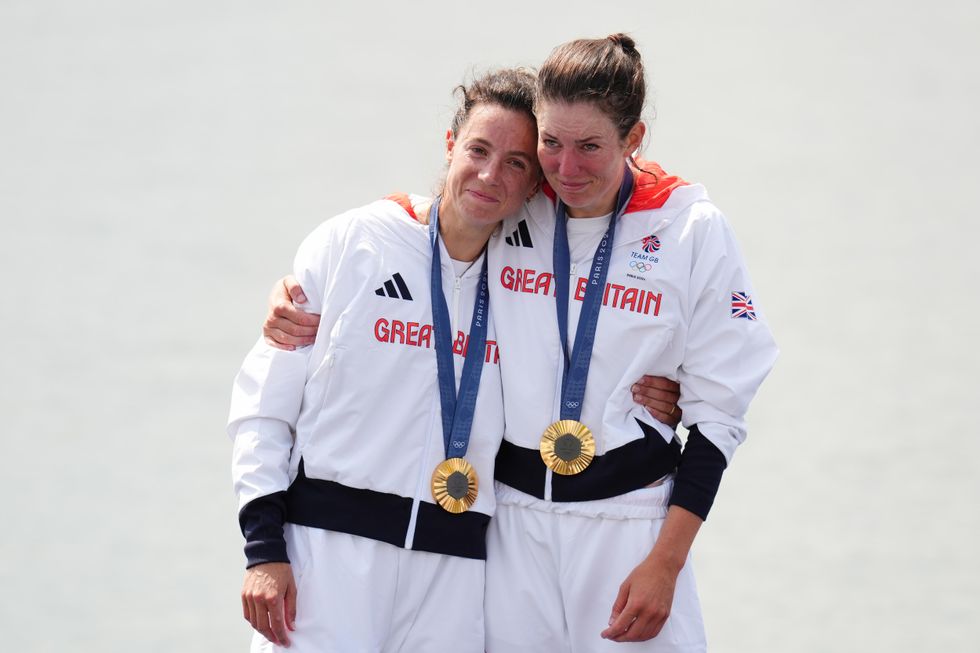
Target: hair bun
(623,41)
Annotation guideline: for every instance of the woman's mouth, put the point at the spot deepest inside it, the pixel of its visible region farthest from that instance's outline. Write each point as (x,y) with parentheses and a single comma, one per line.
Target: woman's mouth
(572,186)
(482,197)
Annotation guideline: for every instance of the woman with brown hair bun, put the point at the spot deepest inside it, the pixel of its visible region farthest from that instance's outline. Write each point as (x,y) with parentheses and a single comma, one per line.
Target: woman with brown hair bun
(598,503)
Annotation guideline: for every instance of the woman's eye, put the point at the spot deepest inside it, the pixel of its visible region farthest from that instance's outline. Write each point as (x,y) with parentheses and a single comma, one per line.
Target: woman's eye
(590,147)
(476,149)
(550,142)
(518,164)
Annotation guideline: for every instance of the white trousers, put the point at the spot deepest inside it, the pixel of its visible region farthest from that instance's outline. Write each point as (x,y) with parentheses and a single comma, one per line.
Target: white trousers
(357,595)
(552,578)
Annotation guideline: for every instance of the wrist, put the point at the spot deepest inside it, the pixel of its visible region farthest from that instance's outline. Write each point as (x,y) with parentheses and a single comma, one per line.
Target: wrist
(668,559)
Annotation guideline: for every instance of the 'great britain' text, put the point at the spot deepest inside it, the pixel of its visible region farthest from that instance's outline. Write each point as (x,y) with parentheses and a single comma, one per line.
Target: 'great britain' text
(626,298)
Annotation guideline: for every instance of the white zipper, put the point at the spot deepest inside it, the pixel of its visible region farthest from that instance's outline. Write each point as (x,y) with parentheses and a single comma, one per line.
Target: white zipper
(457,284)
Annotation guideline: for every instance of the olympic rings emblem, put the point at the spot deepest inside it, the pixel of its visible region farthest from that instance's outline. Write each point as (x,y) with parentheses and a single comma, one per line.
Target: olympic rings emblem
(640,266)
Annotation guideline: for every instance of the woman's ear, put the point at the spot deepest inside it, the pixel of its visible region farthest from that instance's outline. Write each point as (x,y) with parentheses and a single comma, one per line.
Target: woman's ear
(634,139)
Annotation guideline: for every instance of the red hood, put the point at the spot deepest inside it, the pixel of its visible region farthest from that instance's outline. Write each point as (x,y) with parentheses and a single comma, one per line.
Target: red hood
(402,200)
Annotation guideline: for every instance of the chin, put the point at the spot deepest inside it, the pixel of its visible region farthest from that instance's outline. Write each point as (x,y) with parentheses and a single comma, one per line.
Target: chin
(579,204)
(482,219)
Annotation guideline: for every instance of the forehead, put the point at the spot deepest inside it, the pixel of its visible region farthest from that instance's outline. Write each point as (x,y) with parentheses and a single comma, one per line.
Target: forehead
(502,127)
(574,119)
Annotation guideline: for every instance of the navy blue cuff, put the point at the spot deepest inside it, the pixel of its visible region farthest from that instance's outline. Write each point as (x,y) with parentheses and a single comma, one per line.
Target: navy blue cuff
(698,474)
(261,521)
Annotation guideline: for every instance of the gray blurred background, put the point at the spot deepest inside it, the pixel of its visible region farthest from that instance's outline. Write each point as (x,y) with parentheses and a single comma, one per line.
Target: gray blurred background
(160,161)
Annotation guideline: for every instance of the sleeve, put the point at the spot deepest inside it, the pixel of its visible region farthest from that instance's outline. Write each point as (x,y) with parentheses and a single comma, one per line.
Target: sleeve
(266,399)
(729,351)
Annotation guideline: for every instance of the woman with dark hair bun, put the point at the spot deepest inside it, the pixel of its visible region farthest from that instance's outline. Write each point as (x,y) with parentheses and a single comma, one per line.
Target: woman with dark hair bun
(598,503)
(615,270)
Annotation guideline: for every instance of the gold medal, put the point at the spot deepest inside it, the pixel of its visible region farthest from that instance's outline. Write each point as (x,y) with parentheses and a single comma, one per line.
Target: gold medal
(567,447)
(455,485)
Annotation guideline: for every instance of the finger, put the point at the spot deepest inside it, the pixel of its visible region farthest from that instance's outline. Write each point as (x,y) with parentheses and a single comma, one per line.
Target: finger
(662,417)
(290,327)
(262,623)
(280,293)
(303,330)
(616,614)
(662,402)
(642,629)
(277,622)
(253,615)
(294,290)
(620,626)
(245,607)
(660,410)
(622,596)
(654,404)
(278,345)
(658,394)
(295,315)
(283,339)
(291,606)
(659,383)
(626,635)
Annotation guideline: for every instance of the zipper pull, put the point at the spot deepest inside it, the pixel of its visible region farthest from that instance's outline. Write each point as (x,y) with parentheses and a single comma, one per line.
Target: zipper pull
(458,283)
(571,271)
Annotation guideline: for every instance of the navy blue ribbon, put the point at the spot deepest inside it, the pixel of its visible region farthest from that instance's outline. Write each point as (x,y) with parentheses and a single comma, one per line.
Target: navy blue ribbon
(576,370)
(457,411)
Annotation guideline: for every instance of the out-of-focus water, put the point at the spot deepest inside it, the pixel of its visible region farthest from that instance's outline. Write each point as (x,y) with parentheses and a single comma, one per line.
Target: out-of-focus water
(159,162)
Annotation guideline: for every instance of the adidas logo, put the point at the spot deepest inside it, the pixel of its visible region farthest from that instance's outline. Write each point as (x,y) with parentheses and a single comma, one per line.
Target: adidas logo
(521,236)
(395,288)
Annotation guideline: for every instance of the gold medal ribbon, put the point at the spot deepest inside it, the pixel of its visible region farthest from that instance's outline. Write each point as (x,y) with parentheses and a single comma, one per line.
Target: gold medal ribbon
(454,482)
(567,446)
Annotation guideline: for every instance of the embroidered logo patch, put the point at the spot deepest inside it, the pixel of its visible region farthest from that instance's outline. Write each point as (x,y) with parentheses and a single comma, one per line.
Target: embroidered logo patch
(742,305)
(643,261)
(651,244)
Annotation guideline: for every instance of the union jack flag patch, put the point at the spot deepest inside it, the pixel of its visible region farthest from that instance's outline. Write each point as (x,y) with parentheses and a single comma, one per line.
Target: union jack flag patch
(742,305)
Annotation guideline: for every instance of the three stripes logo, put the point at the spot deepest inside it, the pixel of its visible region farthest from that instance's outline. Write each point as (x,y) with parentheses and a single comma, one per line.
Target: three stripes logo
(521,236)
(395,288)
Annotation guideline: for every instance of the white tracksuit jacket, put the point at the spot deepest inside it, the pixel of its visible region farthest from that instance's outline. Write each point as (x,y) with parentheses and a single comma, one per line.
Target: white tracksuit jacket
(674,306)
(345,434)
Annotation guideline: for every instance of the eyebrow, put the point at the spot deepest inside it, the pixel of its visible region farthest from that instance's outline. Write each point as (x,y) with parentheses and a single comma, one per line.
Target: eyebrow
(596,137)
(517,153)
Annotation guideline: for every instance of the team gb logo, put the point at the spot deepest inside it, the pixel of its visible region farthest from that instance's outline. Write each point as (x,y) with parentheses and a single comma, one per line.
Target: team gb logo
(651,244)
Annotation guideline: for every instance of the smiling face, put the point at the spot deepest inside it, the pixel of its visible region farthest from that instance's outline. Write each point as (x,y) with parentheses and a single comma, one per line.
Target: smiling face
(492,167)
(582,155)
